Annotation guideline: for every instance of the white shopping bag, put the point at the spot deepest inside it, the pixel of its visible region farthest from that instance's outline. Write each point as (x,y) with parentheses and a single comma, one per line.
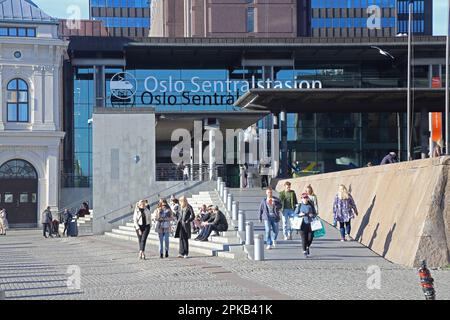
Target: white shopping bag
(316,224)
(296,222)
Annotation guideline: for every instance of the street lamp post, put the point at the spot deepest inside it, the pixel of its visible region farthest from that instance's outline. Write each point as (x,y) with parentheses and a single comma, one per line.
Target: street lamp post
(408,112)
(447,85)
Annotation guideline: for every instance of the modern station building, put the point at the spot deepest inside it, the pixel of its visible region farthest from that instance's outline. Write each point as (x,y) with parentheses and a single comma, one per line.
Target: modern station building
(343,102)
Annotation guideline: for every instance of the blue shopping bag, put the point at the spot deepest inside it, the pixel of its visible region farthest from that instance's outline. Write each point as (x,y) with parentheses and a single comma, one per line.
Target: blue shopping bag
(321,232)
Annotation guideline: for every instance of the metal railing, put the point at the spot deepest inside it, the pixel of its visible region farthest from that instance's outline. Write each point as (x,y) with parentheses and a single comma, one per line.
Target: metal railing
(173,172)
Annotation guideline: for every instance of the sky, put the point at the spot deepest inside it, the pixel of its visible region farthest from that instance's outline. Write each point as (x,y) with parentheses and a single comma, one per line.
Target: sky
(62,10)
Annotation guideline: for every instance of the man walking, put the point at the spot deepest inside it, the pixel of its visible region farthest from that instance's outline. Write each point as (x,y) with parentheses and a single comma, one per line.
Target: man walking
(269,212)
(46,220)
(288,200)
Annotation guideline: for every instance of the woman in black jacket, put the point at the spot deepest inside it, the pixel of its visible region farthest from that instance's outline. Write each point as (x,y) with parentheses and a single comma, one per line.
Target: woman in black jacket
(183,230)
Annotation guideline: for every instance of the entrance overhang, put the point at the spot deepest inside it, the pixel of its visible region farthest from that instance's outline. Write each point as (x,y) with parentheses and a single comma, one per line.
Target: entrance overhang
(169,121)
(341,100)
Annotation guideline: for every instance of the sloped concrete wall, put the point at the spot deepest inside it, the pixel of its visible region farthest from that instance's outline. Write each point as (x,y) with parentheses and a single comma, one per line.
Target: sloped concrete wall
(404,208)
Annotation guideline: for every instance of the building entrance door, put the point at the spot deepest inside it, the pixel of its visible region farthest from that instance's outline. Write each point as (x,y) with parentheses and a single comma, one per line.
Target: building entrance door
(19,193)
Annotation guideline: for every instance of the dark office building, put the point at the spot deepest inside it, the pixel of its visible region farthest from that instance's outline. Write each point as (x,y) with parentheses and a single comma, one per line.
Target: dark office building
(423,17)
(122,18)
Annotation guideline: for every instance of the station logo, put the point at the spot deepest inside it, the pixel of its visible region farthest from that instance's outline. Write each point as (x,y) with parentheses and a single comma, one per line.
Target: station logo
(123,86)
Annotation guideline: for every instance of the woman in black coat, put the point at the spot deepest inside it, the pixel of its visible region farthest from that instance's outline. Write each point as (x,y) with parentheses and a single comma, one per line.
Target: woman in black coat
(183,230)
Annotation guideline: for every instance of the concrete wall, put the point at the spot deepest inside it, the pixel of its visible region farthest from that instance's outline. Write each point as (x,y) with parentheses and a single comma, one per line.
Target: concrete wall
(119,135)
(404,209)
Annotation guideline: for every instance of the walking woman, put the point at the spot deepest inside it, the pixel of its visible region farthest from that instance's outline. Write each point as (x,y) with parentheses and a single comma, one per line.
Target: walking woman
(306,211)
(312,197)
(163,218)
(183,231)
(344,210)
(3,222)
(142,223)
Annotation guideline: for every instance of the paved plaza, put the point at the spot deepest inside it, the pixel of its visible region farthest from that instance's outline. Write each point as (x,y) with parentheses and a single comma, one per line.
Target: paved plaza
(32,267)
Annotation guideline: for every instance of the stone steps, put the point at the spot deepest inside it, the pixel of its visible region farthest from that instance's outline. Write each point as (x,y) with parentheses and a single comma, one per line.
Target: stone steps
(216,246)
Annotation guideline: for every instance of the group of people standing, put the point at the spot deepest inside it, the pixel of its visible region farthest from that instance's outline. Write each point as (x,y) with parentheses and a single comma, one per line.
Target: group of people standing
(274,210)
(176,218)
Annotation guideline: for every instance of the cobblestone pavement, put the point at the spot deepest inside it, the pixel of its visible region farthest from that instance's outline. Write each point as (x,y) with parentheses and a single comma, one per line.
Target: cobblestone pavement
(32,267)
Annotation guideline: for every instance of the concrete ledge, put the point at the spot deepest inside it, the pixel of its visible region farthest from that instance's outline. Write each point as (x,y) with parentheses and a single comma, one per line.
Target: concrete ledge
(404,208)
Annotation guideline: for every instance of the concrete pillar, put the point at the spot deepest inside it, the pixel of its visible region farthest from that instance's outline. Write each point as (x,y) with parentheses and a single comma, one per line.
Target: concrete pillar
(241,177)
(2,110)
(53,178)
(191,175)
(212,153)
(284,145)
(259,248)
(100,97)
(275,147)
(241,221)
(200,162)
(2,295)
(249,234)
(229,202)
(235,210)
(49,118)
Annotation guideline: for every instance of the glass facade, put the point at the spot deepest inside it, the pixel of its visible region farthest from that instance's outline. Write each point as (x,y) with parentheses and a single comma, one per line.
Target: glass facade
(320,142)
(418,25)
(352,3)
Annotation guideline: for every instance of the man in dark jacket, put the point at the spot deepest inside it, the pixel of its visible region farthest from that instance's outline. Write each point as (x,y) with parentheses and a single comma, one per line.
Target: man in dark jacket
(217,222)
(390,158)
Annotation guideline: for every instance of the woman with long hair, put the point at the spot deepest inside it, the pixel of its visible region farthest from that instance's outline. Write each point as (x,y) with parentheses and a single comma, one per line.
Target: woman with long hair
(183,231)
(163,219)
(344,210)
(312,197)
(142,223)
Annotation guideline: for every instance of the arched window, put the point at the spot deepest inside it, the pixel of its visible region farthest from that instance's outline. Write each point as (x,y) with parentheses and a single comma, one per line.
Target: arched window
(17,169)
(17,101)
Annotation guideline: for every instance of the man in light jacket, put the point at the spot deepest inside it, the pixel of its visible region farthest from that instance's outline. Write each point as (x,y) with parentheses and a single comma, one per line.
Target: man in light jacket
(46,220)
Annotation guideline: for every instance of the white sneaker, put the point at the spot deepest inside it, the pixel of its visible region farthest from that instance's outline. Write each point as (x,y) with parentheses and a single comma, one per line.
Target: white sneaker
(185,257)
(268,247)
(285,238)
(274,244)
(347,238)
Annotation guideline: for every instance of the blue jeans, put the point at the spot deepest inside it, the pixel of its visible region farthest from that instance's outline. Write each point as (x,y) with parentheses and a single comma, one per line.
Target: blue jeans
(271,226)
(287,214)
(163,239)
(345,228)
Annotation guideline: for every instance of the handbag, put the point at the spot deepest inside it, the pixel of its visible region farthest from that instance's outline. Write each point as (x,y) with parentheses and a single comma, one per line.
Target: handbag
(296,222)
(316,224)
(321,232)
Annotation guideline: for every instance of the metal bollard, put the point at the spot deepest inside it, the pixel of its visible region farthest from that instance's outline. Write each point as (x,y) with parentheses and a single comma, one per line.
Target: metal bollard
(259,248)
(222,186)
(249,234)
(219,181)
(241,221)
(234,210)
(2,295)
(229,202)
(225,196)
